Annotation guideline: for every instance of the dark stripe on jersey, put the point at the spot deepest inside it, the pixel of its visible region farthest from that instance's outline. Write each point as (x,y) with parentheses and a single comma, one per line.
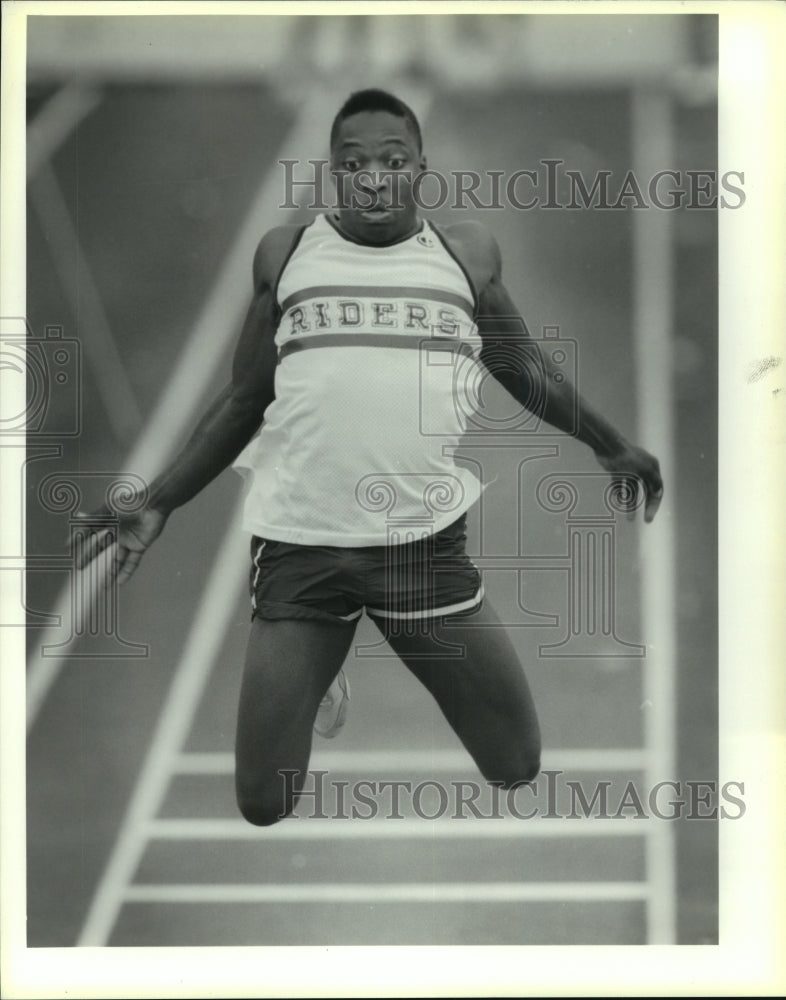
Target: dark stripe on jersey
(378,292)
(287,258)
(395,340)
(449,249)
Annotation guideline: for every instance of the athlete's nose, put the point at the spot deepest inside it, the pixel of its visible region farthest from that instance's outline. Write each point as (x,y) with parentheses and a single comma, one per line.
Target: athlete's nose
(372,184)
(380,178)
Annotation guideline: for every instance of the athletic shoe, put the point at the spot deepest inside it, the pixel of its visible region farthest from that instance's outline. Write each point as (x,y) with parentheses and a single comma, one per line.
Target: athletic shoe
(332,712)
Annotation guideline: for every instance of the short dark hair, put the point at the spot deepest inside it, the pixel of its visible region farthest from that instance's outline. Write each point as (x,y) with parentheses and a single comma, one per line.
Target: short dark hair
(375,100)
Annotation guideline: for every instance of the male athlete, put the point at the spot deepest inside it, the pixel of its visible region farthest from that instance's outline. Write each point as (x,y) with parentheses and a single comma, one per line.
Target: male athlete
(331,358)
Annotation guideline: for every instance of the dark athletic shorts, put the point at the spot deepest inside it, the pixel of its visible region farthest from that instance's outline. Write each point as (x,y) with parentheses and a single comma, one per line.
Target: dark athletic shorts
(419,579)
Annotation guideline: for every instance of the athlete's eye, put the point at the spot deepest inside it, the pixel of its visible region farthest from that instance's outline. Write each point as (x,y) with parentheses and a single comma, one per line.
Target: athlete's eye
(396,162)
(351,165)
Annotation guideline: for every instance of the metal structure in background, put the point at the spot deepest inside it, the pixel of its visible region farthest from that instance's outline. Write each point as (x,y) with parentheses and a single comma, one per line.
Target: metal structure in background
(468,52)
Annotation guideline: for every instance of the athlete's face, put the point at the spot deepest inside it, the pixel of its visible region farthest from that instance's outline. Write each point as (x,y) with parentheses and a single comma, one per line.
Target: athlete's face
(374,158)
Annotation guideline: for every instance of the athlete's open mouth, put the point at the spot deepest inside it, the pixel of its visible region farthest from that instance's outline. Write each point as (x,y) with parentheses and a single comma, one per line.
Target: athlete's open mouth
(378,212)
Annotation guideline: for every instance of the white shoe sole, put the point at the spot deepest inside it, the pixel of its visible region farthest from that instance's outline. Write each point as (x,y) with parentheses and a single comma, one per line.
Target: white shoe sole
(332,712)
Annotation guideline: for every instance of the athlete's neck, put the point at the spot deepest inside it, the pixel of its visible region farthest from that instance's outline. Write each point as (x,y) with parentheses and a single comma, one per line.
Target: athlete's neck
(335,221)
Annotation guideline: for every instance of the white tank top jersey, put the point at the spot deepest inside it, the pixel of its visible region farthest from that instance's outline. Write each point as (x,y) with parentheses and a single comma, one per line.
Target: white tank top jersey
(377,353)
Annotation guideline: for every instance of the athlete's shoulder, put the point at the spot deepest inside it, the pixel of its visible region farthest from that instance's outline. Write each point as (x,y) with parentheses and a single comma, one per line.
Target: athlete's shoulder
(475,247)
(467,231)
(272,253)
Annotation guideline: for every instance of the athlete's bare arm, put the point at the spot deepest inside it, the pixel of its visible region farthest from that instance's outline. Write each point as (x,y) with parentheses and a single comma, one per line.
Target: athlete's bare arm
(226,427)
(515,360)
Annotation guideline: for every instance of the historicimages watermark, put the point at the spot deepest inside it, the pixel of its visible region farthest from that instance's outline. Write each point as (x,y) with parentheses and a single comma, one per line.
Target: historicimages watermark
(552,185)
(551,796)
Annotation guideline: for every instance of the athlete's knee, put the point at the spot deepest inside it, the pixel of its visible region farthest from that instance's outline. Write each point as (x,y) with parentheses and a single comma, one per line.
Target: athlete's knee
(510,778)
(519,768)
(528,770)
(264,805)
(262,812)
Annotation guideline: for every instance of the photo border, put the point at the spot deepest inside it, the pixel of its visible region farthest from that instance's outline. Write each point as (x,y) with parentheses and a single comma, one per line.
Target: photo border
(752,495)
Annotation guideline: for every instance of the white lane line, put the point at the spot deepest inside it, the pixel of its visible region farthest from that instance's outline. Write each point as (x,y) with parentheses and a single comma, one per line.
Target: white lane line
(381,828)
(413,892)
(216,327)
(219,600)
(652,138)
(445,760)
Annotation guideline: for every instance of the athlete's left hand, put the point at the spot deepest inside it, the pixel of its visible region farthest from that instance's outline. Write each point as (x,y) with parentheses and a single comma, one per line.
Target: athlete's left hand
(136,532)
(630,466)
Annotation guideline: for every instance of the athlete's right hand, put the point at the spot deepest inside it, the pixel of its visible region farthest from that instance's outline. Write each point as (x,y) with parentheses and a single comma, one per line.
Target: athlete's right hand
(136,533)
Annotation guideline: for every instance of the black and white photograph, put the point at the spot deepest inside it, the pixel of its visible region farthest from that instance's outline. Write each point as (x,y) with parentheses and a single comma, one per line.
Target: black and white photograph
(392,435)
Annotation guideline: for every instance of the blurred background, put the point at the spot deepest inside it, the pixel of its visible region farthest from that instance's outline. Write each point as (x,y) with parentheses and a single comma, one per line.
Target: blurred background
(153,170)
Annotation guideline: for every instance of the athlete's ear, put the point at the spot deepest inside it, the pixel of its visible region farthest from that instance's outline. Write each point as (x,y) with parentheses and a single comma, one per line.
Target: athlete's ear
(423,164)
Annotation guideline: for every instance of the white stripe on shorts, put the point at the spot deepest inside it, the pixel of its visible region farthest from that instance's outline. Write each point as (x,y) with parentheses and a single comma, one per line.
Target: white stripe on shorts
(451,609)
(256,576)
(351,617)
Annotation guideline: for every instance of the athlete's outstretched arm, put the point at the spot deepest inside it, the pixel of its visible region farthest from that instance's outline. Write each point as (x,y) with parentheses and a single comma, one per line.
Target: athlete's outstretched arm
(516,361)
(232,419)
(225,429)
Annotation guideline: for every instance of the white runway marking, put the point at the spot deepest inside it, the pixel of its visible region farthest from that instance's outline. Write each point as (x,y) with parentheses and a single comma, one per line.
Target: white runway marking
(220,597)
(414,892)
(407,828)
(452,761)
(653,342)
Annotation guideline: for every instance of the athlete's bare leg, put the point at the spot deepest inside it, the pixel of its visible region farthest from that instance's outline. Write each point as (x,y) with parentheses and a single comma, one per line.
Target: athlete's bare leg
(289,665)
(483,694)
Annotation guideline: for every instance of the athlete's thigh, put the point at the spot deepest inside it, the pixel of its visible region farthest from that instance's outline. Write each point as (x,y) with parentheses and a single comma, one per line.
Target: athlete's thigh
(289,665)
(473,671)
